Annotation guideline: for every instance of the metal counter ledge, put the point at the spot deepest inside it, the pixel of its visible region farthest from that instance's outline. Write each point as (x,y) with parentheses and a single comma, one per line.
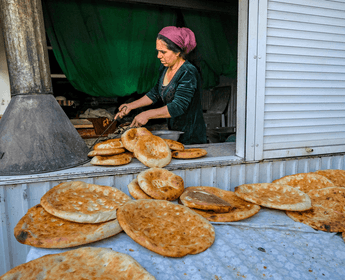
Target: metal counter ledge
(268,245)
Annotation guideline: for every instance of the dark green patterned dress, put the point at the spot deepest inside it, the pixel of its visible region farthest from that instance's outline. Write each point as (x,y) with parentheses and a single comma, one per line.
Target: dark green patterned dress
(183,99)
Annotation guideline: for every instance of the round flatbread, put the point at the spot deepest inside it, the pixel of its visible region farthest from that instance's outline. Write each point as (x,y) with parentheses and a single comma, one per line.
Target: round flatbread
(152,151)
(189,153)
(109,144)
(305,182)
(241,209)
(83,203)
(84,263)
(277,196)
(328,210)
(160,183)
(336,176)
(166,228)
(40,229)
(106,152)
(115,160)
(204,200)
(130,137)
(174,145)
(135,190)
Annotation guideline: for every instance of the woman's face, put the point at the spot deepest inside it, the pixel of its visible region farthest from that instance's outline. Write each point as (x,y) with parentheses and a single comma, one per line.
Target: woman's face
(167,57)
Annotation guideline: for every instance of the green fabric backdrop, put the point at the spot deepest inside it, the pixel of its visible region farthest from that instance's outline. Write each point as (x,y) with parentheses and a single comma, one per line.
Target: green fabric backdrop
(106,49)
(216,36)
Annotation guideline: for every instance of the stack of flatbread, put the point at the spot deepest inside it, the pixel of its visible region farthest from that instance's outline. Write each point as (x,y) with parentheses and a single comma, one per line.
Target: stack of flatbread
(71,214)
(217,205)
(156,183)
(83,263)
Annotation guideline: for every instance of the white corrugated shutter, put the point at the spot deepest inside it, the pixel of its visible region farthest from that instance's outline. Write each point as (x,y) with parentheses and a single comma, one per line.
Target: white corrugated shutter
(300,78)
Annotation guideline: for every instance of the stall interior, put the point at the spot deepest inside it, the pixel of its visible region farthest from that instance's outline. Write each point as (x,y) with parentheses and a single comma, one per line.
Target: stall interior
(91,110)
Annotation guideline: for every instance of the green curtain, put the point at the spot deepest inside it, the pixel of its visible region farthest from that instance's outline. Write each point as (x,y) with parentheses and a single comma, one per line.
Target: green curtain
(105,48)
(216,36)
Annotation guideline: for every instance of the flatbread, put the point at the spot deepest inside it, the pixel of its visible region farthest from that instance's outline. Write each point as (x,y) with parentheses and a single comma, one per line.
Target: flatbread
(328,211)
(277,196)
(106,152)
(336,176)
(160,183)
(115,160)
(109,144)
(305,182)
(152,151)
(189,153)
(131,136)
(204,200)
(135,190)
(40,229)
(166,228)
(83,203)
(84,263)
(174,145)
(241,209)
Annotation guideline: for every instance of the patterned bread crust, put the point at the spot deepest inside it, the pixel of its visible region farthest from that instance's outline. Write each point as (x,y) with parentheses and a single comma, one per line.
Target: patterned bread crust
(336,176)
(174,145)
(130,137)
(328,210)
(275,196)
(83,263)
(40,229)
(305,182)
(241,209)
(115,160)
(135,190)
(189,153)
(83,203)
(204,200)
(166,228)
(106,152)
(160,183)
(152,151)
(109,144)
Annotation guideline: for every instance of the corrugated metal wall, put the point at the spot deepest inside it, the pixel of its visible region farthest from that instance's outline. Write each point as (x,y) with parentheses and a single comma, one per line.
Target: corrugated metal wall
(305,78)
(16,199)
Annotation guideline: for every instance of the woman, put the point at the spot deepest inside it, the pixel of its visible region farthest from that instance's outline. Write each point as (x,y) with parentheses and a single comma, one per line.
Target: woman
(178,86)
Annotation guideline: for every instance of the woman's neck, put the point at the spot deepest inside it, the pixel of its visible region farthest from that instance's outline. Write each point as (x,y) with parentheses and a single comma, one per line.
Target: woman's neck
(177,65)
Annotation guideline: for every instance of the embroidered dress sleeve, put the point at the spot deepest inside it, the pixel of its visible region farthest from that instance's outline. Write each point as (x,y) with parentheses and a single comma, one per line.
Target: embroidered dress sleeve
(186,88)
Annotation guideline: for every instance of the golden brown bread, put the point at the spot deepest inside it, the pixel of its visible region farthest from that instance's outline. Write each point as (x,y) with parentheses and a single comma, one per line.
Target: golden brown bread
(166,228)
(38,228)
(174,145)
(152,151)
(115,160)
(189,153)
(131,136)
(241,209)
(328,210)
(160,183)
(277,196)
(84,263)
(336,176)
(83,203)
(305,182)
(135,190)
(203,200)
(106,152)
(109,144)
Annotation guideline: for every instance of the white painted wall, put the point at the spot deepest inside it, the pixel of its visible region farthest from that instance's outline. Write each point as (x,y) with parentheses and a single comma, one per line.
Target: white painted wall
(5,92)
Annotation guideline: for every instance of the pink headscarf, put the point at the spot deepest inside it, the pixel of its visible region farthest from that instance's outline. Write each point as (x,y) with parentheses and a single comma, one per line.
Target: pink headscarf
(181,36)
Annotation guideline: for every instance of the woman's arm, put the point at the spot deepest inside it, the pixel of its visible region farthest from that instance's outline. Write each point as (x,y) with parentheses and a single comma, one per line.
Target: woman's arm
(125,109)
(144,117)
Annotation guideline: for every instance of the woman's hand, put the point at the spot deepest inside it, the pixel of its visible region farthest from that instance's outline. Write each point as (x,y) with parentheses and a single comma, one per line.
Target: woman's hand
(124,110)
(140,120)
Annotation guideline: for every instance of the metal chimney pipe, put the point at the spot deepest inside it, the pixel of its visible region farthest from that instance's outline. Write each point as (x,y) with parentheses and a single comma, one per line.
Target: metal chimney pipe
(36,135)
